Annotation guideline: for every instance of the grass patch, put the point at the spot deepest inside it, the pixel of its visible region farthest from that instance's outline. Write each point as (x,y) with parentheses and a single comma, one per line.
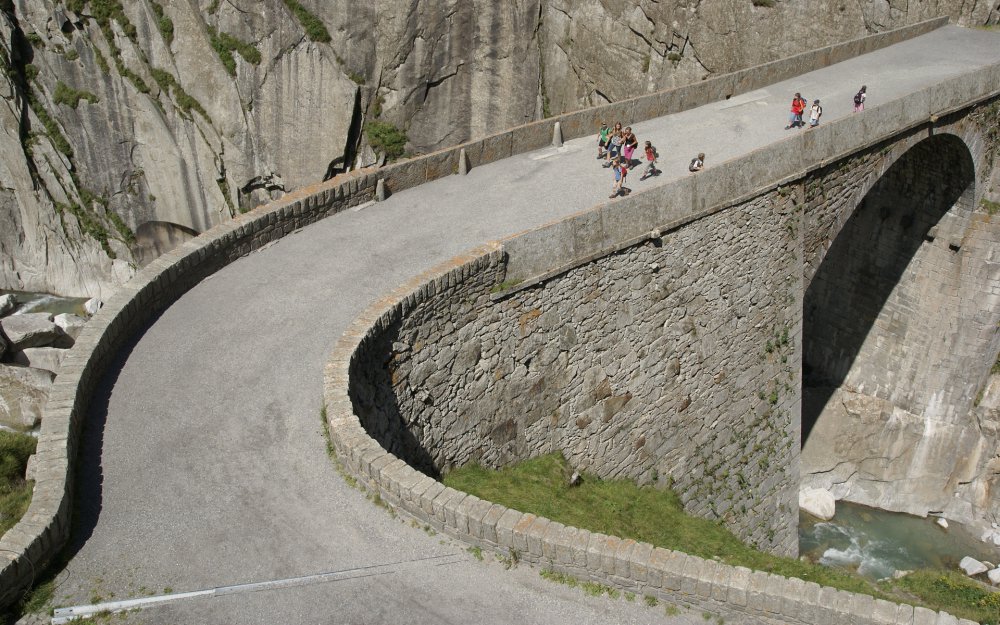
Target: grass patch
(71,97)
(314,27)
(476,551)
(225,44)
(15,491)
(648,514)
(992,208)
(954,593)
(386,138)
(185,102)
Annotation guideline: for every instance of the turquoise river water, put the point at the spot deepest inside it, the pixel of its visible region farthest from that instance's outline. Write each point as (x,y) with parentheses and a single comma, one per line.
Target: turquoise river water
(875,543)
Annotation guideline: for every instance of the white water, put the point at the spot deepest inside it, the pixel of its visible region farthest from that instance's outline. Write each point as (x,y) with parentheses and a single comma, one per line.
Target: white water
(876,543)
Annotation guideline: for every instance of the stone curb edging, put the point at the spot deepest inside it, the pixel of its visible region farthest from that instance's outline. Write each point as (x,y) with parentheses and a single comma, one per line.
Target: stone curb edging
(622,563)
(30,546)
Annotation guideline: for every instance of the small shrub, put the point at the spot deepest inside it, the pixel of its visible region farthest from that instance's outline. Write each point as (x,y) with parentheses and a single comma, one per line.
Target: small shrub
(163,23)
(476,551)
(674,56)
(71,97)
(72,54)
(651,601)
(386,138)
(992,208)
(763,3)
(314,27)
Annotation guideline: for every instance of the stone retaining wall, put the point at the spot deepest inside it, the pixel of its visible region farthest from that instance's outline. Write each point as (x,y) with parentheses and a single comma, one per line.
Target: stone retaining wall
(28,547)
(672,361)
(622,563)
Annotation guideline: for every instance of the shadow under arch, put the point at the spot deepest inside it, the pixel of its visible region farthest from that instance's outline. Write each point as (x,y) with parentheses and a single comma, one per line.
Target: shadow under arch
(891,232)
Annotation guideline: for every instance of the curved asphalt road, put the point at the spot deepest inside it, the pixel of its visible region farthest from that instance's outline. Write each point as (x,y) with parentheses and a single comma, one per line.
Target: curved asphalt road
(206,463)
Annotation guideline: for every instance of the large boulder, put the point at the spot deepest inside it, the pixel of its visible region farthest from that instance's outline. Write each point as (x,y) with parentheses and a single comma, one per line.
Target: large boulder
(994,576)
(47,358)
(7,304)
(71,325)
(818,502)
(31,330)
(23,393)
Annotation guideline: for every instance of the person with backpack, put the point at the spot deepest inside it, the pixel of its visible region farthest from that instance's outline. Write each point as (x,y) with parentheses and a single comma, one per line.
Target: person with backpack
(859,99)
(697,163)
(814,114)
(798,106)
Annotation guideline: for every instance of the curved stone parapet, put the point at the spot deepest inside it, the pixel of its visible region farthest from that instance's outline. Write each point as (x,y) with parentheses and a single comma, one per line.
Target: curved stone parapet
(632,566)
(28,547)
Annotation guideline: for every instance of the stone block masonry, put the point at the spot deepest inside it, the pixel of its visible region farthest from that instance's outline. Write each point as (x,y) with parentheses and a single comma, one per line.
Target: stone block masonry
(672,362)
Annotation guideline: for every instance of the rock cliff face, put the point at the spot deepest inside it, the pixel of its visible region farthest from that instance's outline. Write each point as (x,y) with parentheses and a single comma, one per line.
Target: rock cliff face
(127,127)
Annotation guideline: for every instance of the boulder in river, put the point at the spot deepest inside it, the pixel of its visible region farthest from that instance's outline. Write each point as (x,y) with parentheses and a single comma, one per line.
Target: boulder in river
(994,576)
(972,567)
(818,502)
(72,325)
(92,305)
(31,330)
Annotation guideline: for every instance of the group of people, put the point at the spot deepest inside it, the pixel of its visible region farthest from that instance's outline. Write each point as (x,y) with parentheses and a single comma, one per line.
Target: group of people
(795,117)
(617,146)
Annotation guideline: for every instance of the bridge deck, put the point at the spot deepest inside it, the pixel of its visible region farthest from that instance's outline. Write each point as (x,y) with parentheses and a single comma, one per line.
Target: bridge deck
(206,461)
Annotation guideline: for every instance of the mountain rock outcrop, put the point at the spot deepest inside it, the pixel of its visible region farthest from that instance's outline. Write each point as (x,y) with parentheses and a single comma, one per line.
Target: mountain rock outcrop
(128,127)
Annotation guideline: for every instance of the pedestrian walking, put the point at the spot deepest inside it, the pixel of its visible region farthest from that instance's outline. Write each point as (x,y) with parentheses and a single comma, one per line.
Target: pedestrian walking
(795,116)
(629,145)
(602,140)
(651,169)
(697,163)
(620,172)
(859,99)
(614,144)
(814,114)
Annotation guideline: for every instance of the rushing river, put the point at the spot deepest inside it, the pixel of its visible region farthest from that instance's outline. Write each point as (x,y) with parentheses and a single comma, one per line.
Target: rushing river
(43,302)
(876,543)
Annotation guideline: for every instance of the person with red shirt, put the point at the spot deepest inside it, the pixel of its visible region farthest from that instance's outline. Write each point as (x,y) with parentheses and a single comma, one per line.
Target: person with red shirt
(795,117)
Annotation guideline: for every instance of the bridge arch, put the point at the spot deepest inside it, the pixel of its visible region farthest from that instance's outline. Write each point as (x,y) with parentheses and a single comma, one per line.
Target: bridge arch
(898,330)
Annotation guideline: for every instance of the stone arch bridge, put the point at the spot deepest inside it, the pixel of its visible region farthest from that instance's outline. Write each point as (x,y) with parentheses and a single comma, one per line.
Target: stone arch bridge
(659,335)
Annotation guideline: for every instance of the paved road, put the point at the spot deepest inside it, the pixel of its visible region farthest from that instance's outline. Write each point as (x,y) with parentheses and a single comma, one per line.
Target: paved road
(206,465)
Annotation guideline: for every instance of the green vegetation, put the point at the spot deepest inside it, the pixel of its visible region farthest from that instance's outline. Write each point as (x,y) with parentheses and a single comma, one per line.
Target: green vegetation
(314,27)
(71,97)
(763,3)
(225,44)
(954,593)
(52,129)
(674,57)
(35,40)
(38,598)
(15,491)
(386,138)
(644,513)
(992,208)
(72,54)
(163,23)
(185,102)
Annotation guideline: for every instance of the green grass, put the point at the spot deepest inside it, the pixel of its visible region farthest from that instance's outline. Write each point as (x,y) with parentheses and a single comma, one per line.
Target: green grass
(386,138)
(954,593)
(992,208)
(653,515)
(15,492)
(314,27)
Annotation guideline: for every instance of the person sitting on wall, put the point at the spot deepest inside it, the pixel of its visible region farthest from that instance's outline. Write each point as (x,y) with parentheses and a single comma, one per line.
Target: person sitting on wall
(697,163)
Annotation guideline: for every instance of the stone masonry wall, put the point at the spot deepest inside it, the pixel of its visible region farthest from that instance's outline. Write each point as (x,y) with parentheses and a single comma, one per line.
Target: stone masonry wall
(672,362)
